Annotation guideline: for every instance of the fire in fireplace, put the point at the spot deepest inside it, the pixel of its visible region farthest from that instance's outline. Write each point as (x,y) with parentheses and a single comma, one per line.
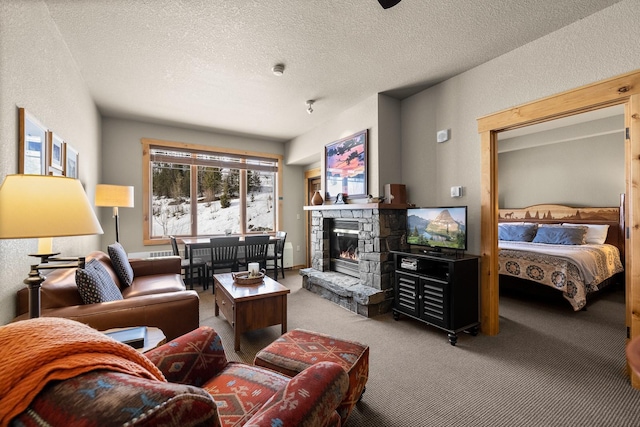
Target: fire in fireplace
(350,254)
(343,241)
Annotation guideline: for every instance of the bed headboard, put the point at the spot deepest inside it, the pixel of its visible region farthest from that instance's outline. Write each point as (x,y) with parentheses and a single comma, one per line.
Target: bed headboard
(554,214)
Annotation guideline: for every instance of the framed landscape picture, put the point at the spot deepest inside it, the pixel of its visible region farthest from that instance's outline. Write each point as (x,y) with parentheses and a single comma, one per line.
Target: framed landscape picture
(71,164)
(56,155)
(33,145)
(346,167)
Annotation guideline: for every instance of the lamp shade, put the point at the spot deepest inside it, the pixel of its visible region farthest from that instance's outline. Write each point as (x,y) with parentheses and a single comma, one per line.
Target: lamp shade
(114,196)
(33,206)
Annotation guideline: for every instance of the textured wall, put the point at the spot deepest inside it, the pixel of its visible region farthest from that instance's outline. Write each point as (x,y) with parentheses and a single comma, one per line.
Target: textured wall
(389,144)
(309,147)
(595,48)
(37,73)
(579,165)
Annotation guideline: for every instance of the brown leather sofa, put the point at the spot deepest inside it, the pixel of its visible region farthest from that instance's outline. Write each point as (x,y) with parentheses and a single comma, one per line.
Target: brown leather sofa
(157,297)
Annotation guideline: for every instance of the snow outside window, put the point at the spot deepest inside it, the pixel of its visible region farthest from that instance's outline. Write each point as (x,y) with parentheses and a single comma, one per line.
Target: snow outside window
(202,193)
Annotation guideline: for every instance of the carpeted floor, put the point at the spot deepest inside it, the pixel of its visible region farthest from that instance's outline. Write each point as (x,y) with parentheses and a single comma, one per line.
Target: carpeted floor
(548,366)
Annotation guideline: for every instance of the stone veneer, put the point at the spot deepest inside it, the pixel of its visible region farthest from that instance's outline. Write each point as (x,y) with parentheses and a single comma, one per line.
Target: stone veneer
(381,228)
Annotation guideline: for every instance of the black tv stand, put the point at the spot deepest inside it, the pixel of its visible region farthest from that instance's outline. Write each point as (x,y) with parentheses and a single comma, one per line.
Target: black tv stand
(434,253)
(438,252)
(439,289)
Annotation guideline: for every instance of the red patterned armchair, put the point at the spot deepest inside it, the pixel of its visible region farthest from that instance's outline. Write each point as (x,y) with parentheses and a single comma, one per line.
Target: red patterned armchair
(202,389)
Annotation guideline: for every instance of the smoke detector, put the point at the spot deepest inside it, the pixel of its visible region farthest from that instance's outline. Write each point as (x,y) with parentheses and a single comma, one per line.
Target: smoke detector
(278,70)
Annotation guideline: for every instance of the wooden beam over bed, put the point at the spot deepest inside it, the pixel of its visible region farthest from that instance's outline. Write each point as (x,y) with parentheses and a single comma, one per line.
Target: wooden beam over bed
(555,214)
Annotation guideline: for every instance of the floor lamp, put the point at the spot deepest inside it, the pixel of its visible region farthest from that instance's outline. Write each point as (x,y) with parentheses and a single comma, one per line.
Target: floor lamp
(115,196)
(42,206)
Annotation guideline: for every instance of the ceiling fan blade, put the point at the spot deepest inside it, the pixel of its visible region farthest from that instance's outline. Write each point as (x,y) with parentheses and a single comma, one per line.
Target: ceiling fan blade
(386,4)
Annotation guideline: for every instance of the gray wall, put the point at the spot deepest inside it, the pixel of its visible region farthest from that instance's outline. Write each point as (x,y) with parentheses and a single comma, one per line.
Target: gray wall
(308,148)
(122,165)
(380,114)
(37,73)
(595,48)
(389,144)
(562,166)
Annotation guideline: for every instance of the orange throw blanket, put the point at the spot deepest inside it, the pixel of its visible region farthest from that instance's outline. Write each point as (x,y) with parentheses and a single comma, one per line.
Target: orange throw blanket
(36,351)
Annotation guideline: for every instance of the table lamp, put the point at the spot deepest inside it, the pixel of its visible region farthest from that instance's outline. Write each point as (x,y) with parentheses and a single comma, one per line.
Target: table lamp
(42,206)
(114,196)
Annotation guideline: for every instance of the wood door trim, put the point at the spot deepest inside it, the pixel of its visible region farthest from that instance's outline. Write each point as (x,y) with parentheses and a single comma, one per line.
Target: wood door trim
(624,89)
(308,176)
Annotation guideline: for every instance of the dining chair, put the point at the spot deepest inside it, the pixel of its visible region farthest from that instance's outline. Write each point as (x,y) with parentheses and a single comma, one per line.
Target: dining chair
(188,266)
(224,254)
(276,257)
(255,250)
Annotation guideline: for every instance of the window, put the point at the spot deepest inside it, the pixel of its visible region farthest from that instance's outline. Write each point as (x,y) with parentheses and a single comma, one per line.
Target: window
(197,190)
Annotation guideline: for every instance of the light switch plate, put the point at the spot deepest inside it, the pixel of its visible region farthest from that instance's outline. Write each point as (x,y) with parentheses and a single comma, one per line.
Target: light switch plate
(456,191)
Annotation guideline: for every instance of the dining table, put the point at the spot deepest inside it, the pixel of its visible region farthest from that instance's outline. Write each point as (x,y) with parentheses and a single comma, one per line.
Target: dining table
(203,242)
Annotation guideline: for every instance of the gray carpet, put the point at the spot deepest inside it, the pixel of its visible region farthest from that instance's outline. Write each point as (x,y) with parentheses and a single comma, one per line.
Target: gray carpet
(549,366)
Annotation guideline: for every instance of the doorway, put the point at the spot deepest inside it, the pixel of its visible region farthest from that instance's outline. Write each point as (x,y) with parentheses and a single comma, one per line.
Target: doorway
(313,183)
(574,161)
(623,90)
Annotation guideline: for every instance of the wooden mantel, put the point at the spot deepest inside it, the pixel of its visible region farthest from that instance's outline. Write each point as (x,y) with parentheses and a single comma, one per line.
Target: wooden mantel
(354,206)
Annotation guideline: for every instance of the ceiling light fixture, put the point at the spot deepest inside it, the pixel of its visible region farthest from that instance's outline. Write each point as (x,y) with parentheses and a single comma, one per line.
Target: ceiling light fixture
(278,70)
(309,104)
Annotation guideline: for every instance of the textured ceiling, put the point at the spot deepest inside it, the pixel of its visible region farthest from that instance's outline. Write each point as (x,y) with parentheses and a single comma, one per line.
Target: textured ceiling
(207,63)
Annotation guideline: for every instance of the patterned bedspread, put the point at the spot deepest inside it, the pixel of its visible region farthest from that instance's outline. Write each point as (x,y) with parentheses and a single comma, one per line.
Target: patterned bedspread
(576,270)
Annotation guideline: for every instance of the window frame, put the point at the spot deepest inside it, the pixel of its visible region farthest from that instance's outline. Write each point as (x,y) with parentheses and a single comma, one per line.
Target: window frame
(148,144)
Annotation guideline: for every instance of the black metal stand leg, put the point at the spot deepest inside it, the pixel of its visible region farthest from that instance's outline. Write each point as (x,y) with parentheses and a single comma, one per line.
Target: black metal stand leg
(453,338)
(362,394)
(189,277)
(117,228)
(34,282)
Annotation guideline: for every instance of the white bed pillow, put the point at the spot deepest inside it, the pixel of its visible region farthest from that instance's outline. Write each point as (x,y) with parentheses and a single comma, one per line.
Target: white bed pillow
(596,233)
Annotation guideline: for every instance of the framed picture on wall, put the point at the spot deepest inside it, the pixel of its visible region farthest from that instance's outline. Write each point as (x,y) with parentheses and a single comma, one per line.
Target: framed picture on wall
(56,155)
(33,145)
(71,164)
(346,167)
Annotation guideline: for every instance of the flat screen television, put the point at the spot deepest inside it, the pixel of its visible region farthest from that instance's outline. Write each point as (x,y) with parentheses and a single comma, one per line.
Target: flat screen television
(434,229)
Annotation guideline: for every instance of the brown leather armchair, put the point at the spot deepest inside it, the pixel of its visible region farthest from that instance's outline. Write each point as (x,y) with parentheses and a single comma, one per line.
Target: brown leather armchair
(157,297)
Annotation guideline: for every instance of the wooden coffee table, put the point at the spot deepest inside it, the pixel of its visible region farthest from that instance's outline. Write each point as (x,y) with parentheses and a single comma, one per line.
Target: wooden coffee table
(249,307)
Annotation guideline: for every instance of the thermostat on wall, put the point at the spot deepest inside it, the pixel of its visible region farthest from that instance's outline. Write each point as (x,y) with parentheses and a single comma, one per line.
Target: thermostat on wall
(443,135)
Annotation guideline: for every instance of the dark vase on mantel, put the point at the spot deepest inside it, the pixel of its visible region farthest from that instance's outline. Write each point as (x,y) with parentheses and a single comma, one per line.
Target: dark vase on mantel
(317,199)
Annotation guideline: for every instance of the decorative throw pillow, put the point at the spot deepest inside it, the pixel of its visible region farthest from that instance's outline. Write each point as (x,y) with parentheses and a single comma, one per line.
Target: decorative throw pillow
(558,235)
(517,232)
(95,284)
(596,233)
(120,262)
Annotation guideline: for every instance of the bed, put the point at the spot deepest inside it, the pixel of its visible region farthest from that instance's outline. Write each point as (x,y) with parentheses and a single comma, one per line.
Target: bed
(576,251)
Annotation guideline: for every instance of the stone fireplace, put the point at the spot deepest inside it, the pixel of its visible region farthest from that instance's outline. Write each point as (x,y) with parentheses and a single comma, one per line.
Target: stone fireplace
(351,262)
